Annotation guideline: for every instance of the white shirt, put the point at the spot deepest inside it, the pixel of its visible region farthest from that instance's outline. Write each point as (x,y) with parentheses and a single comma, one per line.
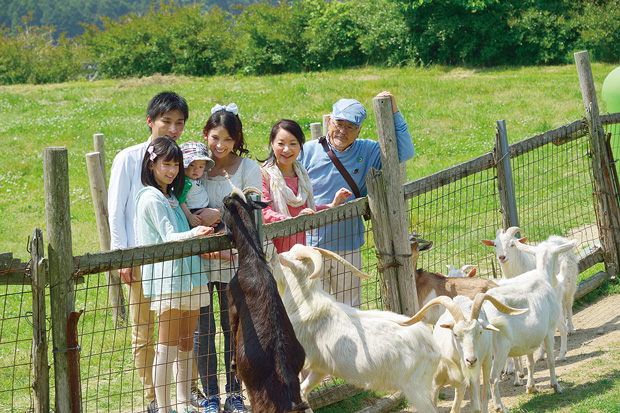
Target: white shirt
(125,183)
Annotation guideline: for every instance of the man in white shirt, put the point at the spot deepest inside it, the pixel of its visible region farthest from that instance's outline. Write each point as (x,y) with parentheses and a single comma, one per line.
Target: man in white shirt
(166,115)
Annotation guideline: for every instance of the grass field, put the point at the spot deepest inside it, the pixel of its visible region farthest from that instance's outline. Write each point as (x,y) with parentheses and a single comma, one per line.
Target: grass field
(451,114)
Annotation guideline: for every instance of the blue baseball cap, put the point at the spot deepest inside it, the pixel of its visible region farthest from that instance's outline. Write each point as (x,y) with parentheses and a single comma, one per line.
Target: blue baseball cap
(350,110)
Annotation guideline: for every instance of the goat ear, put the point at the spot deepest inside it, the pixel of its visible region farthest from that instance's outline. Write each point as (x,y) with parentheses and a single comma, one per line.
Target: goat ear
(522,240)
(258,204)
(487,242)
(472,272)
(285,262)
(442,275)
(488,326)
(447,325)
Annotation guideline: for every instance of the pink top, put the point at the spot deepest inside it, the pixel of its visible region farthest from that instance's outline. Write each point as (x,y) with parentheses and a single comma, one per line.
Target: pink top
(285,243)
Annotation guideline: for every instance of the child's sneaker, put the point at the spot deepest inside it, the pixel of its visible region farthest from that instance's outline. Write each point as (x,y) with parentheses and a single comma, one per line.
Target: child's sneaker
(196,396)
(211,404)
(234,404)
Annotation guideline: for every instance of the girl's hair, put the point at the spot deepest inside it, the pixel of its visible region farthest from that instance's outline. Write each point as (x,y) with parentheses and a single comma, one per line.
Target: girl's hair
(165,149)
(291,127)
(232,123)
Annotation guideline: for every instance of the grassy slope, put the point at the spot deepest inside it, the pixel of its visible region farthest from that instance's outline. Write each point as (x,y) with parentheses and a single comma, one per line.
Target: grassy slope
(451,113)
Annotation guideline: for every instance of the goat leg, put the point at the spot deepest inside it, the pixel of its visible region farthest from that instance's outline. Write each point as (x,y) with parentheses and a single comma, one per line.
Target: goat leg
(310,382)
(531,386)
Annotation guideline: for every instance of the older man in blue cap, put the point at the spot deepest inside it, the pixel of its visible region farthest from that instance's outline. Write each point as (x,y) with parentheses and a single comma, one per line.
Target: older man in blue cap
(356,156)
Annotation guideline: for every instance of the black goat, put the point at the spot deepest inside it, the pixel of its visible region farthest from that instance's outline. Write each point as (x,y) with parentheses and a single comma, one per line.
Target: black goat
(268,357)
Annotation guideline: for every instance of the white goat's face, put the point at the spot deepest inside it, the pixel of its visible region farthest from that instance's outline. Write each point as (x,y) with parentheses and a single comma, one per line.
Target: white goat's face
(505,245)
(466,336)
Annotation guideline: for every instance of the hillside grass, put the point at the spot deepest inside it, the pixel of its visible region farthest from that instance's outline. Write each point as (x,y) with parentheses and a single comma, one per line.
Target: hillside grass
(451,112)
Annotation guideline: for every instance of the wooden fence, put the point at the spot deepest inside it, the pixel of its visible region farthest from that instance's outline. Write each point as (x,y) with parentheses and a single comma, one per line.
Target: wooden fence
(92,365)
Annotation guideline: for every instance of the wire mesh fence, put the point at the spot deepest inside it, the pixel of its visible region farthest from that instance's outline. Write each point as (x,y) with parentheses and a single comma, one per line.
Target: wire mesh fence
(455,208)
(459,207)
(15,348)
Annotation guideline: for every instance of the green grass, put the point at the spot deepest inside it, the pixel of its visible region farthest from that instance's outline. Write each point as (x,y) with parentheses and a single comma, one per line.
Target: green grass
(451,114)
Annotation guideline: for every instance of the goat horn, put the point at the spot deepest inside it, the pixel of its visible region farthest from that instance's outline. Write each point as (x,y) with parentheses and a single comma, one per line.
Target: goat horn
(512,231)
(347,264)
(308,252)
(443,300)
(251,190)
(238,191)
(481,297)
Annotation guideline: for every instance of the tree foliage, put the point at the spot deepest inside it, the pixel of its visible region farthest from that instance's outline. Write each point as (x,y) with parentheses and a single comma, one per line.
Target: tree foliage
(307,35)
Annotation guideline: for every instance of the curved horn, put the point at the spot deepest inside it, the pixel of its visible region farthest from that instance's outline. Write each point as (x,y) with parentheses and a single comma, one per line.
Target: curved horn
(512,231)
(251,190)
(237,191)
(317,260)
(347,264)
(481,297)
(443,300)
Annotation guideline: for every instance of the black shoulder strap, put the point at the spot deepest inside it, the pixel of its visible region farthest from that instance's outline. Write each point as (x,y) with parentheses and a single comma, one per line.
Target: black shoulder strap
(339,166)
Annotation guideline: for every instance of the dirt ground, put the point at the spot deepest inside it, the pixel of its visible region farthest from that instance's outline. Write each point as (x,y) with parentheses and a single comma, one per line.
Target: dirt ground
(597,326)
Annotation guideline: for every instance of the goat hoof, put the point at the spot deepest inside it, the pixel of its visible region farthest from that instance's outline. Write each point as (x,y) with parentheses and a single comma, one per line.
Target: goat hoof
(561,358)
(557,388)
(532,389)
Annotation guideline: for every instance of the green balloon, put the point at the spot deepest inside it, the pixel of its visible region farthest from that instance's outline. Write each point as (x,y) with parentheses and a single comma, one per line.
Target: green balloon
(611,91)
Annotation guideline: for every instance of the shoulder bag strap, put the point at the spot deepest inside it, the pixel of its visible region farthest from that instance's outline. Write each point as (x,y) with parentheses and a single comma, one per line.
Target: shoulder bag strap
(340,167)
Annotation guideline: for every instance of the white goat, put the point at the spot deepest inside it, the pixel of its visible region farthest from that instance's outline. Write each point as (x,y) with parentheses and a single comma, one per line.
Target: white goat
(521,335)
(467,342)
(365,348)
(463,272)
(565,276)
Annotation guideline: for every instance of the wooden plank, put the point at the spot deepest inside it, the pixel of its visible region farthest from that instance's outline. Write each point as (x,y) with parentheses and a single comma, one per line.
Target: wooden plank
(62,296)
(590,260)
(395,207)
(99,193)
(591,284)
(377,200)
(607,201)
(558,136)
(610,118)
(40,369)
(505,184)
(315,130)
(355,208)
(326,396)
(385,404)
(92,263)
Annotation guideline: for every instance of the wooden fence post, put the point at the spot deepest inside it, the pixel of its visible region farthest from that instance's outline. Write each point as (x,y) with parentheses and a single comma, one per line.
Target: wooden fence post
(325,122)
(62,296)
(378,203)
(100,203)
(607,205)
(99,144)
(40,369)
(396,209)
(505,183)
(315,130)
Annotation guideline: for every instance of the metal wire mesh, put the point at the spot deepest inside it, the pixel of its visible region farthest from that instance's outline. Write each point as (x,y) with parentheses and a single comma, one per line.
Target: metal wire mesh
(15,348)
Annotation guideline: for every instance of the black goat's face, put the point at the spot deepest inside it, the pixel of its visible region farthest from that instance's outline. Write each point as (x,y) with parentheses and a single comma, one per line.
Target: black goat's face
(235,206)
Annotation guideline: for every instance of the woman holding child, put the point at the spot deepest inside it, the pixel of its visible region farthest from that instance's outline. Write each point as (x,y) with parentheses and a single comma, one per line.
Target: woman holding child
(224,137)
